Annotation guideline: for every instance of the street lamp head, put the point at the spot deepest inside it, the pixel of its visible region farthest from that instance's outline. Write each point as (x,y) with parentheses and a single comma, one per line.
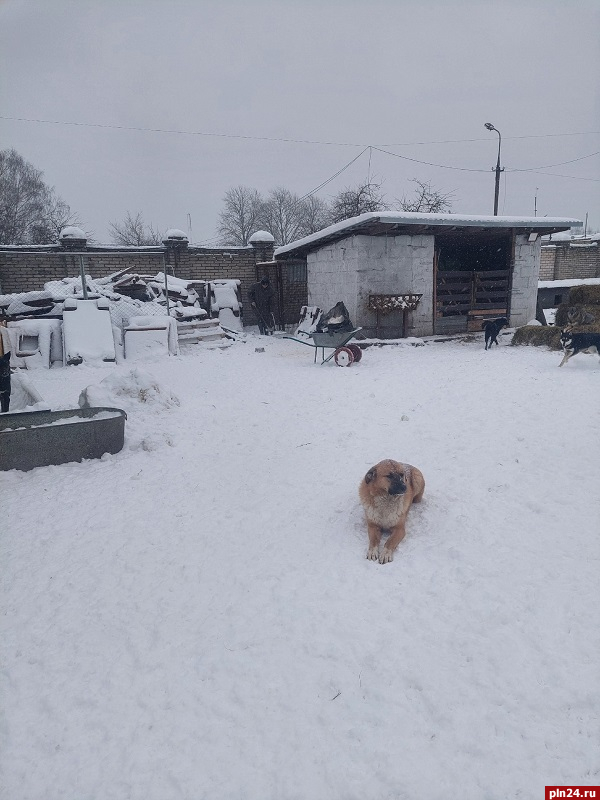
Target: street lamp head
(489,126)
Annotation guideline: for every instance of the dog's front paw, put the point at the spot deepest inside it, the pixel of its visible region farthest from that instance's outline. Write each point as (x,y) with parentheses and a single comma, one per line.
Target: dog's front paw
(386,556)
(373,553)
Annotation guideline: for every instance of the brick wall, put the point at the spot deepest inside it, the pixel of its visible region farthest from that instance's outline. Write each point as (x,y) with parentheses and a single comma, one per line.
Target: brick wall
(28,269)
(295,290)
(289,281)
(547,259)
(570,259)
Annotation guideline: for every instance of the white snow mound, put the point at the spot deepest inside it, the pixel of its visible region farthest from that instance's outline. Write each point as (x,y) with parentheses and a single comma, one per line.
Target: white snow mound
(128,390)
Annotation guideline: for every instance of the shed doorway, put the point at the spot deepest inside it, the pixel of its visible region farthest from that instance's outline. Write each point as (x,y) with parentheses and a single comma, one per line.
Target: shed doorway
(472,279)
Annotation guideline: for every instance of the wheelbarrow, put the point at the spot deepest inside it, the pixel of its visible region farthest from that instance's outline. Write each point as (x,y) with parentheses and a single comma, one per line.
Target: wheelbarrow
(343,354)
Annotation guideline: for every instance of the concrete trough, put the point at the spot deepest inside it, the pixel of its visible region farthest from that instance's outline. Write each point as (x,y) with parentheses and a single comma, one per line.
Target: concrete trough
(40,438)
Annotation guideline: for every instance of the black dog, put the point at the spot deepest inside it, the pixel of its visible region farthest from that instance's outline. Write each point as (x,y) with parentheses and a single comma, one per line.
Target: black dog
(4,382)
(492,328)
(573,343)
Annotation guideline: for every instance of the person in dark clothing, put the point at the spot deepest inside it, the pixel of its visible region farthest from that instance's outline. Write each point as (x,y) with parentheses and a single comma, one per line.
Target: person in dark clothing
(261,296)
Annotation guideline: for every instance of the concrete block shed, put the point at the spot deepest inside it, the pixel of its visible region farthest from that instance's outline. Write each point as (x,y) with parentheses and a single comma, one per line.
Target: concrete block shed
(457,269)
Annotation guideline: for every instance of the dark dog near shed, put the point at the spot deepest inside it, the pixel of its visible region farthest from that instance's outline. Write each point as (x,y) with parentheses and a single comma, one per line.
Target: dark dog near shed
(573,343)
(492,328)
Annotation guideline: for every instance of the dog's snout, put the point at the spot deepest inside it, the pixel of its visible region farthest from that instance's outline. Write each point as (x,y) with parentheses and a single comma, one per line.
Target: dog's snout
(397,486)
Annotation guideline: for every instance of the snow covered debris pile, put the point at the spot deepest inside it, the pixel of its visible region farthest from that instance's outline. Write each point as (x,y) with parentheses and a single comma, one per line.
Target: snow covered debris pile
(225,301)
(33,343)
(24,396)
(186,297)
(130,295)
(149,336)
(26,304)
(203,330)
(137,304)
(87,331)
(128,390)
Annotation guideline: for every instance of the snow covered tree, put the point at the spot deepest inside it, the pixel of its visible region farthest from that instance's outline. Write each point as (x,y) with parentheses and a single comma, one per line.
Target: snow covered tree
(353,201)
(426,199)
(30,210)
(240,217)
(133,232)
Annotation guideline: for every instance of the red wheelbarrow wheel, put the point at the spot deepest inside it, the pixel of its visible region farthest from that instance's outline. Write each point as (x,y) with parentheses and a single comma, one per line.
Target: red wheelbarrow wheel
(356,352)
(344,357)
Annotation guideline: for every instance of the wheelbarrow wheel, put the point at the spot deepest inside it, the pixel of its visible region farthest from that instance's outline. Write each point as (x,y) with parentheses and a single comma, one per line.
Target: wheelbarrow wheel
(344,357)
(356,352)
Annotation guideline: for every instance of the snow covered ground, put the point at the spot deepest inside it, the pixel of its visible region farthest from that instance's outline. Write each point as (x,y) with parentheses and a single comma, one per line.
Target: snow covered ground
(194,617)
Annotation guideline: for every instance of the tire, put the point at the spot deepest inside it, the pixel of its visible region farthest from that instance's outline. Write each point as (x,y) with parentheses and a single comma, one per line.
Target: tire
(356,352)
(343,357)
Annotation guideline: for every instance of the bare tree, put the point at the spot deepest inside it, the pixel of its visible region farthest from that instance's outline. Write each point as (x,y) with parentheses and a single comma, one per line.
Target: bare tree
(58,216)
(133,232)
(241,216)
(426,199)
(316,215)
(30,211)
(284,215)
(353,201)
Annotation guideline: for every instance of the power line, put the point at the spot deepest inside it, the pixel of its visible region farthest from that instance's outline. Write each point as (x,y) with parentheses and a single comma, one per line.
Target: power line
(428,163)
(549,166)
(338,144)
(572,177)
(507,169)
(339,172)
(313,191)
(343,144)
(278,139)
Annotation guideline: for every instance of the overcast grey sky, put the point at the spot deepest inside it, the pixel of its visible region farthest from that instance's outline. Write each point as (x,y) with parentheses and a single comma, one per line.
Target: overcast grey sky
(410,77)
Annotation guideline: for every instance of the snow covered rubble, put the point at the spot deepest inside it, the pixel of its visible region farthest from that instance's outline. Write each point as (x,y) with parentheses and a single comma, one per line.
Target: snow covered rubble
(195,617)
(39,335)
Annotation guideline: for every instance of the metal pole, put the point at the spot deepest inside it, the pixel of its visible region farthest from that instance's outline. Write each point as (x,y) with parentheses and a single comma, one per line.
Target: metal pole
(490,127)
(498,171)
(166,282)
(82,273)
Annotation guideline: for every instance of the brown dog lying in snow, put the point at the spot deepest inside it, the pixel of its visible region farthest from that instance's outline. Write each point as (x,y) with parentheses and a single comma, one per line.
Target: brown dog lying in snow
(386,493)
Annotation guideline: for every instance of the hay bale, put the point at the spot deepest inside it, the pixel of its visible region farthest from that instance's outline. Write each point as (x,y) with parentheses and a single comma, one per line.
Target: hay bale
(538,336)
(562,313)
(585,296)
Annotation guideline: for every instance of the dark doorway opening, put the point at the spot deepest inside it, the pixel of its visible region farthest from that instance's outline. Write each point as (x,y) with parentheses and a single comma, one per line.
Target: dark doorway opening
(472,279)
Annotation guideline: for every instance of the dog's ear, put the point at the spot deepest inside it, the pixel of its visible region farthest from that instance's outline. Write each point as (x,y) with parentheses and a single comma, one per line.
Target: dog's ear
(371,475)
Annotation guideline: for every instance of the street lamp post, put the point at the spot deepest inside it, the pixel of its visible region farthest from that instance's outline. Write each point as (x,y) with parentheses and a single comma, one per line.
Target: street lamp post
(490,127)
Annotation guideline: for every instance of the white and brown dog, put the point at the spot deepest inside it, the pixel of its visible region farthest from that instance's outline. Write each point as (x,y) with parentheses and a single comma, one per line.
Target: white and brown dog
(386,493)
